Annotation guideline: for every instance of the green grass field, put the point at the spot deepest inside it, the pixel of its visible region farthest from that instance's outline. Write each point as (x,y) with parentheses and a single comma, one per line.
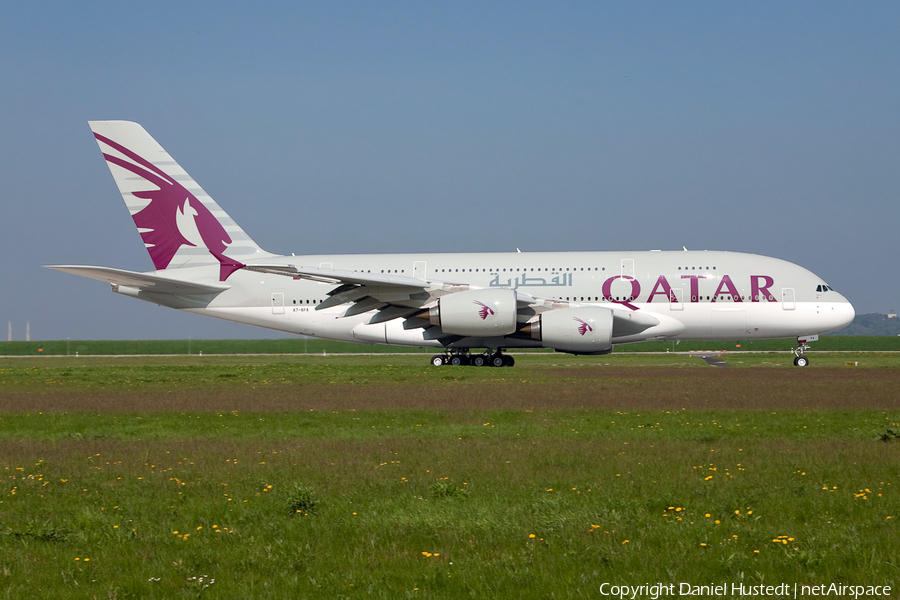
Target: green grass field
(376,476)
(313,346)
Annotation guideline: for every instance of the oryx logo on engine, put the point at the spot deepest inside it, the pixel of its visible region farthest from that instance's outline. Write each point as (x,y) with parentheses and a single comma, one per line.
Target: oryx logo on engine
(485,311)
(584,327)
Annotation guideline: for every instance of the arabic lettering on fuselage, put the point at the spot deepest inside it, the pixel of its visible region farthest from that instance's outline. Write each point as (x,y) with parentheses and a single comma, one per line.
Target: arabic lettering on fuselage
(558,280)
(661,291)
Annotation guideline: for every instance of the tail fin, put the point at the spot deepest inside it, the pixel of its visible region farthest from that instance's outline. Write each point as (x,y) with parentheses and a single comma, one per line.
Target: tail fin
(181,225)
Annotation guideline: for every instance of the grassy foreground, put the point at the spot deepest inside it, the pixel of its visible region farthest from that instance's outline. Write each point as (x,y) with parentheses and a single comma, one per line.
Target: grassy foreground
(355,478)
(296,345)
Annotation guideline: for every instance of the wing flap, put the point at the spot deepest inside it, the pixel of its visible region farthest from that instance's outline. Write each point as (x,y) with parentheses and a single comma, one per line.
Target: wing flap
(337,276)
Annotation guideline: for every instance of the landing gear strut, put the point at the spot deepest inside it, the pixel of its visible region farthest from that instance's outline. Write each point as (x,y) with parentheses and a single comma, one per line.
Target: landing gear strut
(462,357)
(800,359)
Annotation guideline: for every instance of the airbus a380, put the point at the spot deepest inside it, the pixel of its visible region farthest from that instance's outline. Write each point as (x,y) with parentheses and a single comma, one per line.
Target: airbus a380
(575,302)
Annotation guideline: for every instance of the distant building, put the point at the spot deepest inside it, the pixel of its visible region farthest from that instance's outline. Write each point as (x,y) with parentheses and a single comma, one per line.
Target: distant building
(892,314)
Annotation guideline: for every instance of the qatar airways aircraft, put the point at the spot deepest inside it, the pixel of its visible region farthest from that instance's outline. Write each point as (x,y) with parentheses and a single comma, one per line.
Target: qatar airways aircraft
(576,302)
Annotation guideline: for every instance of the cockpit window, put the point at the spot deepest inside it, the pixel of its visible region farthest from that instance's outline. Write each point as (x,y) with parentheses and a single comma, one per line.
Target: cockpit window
(824,288)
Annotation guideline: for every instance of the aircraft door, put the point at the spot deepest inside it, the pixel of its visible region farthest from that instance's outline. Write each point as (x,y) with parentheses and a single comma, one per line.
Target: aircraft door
(675,299)
(787,299)
(277,303)
(420,270)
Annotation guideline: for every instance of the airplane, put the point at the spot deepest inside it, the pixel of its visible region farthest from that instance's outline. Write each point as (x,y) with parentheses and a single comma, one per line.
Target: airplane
(572,302)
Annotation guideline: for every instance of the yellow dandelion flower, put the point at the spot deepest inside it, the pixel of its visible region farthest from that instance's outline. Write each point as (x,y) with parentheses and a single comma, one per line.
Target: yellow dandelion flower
(531,535)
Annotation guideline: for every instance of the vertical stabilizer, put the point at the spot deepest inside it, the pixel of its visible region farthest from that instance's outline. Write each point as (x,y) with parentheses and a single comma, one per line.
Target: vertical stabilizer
(181,225)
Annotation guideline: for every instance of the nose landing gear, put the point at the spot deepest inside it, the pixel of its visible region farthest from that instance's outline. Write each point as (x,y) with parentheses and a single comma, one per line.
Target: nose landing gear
(800,359)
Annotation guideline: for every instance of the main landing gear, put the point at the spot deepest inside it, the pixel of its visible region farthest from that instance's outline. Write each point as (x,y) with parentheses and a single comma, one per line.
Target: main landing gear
(800,359)
(462,357)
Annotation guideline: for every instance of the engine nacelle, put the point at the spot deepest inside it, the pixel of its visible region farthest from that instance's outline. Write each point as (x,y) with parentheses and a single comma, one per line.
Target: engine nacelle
(476,313)
(585,330)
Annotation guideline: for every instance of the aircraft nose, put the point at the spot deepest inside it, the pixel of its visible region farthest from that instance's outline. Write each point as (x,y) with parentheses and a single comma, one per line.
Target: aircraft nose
(839,315)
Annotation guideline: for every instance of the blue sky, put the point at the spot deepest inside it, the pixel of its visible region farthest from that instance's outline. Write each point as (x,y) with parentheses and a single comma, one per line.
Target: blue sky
(370,127)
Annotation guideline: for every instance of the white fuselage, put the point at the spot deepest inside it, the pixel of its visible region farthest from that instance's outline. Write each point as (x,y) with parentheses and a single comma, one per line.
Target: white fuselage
(694,295)
(577,302)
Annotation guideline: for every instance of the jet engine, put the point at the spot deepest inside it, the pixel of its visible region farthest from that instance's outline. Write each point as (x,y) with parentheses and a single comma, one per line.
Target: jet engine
(476,313)
(584,330)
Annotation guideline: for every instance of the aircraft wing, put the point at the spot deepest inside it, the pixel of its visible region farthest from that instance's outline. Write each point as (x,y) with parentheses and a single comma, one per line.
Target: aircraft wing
(392,295)
(399,296)
(142,281)
(337,276)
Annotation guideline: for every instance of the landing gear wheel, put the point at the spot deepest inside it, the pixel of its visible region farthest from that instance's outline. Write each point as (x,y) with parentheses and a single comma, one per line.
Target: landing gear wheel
(802,346)
(498,360)
(437,360)
(508,361)
(456,360)
(479,360)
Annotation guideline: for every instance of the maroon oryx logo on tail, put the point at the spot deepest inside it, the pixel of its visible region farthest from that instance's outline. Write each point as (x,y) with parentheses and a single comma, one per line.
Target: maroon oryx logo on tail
(584,327)
(485,311)
(174,217)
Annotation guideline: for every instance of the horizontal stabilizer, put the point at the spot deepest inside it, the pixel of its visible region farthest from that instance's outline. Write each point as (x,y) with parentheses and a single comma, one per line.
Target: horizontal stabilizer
(141,281)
